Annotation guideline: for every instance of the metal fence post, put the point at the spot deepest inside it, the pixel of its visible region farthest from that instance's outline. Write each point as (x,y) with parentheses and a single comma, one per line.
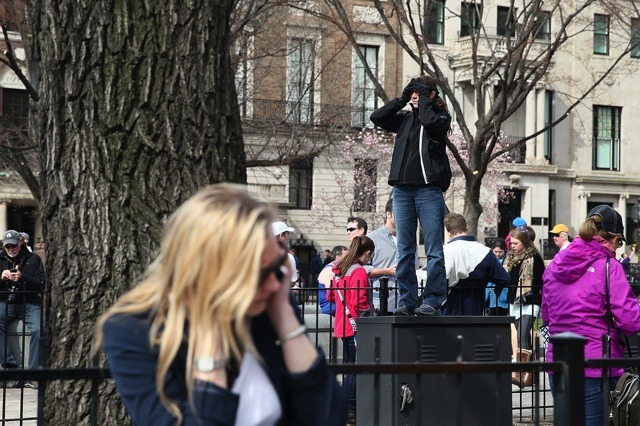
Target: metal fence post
(384,295)
(568,348)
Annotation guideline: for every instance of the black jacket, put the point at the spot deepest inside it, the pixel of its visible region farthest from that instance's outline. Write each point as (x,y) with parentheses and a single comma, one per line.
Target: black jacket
(33,278)
(536,292)
(417,161)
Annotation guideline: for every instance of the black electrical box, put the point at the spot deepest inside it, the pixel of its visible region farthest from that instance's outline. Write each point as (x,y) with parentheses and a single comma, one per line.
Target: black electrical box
(442,398)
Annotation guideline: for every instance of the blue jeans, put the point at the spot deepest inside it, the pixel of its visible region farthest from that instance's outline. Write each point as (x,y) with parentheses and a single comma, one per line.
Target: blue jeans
(31,314)
(593,398)
(349,380)
(413,203)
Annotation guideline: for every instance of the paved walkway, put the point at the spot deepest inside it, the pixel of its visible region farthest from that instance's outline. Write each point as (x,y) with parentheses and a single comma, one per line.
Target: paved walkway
(12,410)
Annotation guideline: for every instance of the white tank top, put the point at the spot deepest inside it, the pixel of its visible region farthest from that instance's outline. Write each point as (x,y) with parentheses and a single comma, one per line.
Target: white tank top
(259,404)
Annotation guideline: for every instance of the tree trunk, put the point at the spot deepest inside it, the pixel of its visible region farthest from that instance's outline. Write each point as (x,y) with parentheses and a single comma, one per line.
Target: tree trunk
(137,111)
(472,207)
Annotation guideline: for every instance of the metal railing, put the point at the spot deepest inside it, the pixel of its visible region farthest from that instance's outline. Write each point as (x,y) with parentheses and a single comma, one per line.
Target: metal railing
(568,370)
(532,404)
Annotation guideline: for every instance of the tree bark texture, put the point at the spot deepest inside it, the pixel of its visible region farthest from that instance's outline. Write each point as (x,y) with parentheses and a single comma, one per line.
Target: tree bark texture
(472,206)
(137,111)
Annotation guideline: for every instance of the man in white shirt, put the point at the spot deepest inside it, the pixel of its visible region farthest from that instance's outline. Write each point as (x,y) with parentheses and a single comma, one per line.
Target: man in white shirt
(281,232)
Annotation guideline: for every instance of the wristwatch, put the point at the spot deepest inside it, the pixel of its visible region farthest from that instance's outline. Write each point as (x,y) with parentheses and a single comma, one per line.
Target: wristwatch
(207,364)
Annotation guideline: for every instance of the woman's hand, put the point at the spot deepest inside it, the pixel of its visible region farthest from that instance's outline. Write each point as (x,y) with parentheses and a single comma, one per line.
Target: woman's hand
(299,353)
(280,298)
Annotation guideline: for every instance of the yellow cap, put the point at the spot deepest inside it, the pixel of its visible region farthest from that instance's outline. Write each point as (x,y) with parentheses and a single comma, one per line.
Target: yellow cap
(559,228)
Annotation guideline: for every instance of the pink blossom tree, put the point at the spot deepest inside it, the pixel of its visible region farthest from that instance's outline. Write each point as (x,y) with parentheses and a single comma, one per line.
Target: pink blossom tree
(361,169)
(361,166)
(493,183)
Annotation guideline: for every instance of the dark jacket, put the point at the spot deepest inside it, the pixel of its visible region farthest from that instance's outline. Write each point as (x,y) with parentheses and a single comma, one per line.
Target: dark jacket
(310,398)
(479,266)
(33,279)
(538,270)
(415,160)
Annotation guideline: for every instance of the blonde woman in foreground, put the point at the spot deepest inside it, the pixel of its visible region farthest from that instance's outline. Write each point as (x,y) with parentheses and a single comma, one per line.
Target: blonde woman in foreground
(211,336)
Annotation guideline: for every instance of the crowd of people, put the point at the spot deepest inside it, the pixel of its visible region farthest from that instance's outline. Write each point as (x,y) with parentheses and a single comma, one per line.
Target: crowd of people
(501,279)
(201,340)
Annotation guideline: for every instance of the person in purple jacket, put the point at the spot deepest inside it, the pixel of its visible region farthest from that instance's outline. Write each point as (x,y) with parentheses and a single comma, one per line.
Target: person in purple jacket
(574,299)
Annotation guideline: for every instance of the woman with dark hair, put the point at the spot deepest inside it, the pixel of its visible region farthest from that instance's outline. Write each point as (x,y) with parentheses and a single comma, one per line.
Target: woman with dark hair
(525,266)
(419,174)
(350,293)
(497,303)
(574,300)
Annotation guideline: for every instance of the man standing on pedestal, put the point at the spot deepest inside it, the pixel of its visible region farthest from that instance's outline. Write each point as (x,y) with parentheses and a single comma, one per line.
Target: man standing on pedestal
(419,174)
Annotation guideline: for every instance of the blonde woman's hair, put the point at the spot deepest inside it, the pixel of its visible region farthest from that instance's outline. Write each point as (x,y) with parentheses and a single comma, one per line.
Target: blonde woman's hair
(197,280)
(589,229)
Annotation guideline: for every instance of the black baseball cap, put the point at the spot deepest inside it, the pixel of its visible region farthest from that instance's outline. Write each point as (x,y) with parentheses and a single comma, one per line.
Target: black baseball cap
(611,221)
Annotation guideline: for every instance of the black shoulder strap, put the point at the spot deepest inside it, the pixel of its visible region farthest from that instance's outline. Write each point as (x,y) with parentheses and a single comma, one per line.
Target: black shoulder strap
(607,304)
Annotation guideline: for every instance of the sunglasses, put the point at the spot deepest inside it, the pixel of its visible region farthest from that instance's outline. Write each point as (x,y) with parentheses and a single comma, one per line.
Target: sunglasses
(351,229)
(274,268)
(10,246)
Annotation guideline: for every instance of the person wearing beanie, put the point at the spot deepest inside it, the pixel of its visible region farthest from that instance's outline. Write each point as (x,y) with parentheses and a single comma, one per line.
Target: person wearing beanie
(22,281)
(518,221)
(575,300)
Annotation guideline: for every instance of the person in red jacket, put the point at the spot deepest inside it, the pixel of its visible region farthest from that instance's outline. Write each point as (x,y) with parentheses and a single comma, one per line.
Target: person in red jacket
(349,291)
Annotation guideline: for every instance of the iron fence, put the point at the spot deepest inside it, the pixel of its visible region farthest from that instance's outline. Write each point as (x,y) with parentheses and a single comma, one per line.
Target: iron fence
(528,405)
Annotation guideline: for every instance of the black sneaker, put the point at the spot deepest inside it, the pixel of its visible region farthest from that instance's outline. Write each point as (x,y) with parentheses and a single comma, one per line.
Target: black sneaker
(426,311)
(402,311)
(31,384)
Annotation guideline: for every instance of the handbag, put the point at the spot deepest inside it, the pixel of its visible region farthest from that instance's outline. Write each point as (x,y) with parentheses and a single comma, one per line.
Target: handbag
(624,400)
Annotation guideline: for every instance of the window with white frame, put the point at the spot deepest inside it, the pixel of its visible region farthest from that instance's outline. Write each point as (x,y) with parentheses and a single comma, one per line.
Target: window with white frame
(635,38)
(15,108)
(506,21)
(300,184)
(601,34)
(434,21)
(365,184)
(606,137)
(548,119)
(300,80)
(470,18)
(364,94)
(542,26)
(243,65)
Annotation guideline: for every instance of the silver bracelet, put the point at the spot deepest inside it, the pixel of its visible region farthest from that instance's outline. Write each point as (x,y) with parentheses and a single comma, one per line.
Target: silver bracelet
(295,333)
